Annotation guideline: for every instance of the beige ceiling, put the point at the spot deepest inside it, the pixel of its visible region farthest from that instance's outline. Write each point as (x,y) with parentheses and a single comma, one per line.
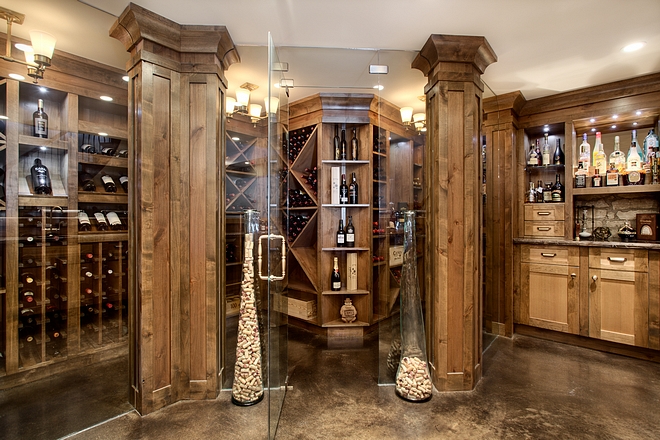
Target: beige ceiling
(543,46)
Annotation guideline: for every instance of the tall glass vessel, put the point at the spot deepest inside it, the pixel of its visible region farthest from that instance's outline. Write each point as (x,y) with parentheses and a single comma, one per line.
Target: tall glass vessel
(248,379)
(413,381)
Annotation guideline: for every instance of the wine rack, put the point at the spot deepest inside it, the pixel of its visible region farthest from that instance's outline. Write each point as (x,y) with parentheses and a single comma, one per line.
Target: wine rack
(56,304)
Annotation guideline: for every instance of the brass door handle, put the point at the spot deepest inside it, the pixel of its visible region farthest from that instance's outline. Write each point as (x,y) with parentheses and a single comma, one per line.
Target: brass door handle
(543,228)
(272,277)
(543,213)
(595,278)
(573,275)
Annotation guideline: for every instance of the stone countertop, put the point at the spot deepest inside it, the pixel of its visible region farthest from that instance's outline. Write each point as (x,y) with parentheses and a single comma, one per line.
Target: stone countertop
(649,245)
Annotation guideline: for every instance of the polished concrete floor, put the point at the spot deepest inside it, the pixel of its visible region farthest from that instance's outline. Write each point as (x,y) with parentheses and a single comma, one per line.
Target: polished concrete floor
(531,389)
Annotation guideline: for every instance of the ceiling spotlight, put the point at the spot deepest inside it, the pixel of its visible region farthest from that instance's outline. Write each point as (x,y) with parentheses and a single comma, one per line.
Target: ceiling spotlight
(125,78)
(615,116)
(593,129)
(592,120)
(634,46)
(379,87)
(43,89)
(634,123)
(17,77)
(102,133)
(638,112)
(614,126)
(105,98)
(546,129)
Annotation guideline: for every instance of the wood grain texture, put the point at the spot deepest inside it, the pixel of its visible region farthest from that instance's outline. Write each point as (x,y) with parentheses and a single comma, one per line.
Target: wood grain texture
(654,300)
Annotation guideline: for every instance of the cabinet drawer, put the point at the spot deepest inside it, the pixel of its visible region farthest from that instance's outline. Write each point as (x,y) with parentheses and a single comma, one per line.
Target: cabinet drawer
(559,255)
(619,259)
(544,212)
(544,229)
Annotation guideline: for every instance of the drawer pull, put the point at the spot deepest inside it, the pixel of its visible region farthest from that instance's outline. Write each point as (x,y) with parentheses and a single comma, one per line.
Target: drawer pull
(573,275)
(595,278)
(617,259)
(548,255)
(543,213)
(543,228)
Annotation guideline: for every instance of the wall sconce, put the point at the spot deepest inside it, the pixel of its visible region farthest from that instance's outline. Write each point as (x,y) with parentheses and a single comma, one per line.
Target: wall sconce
(406,115)
(419,119)
(255,113)
(39,55)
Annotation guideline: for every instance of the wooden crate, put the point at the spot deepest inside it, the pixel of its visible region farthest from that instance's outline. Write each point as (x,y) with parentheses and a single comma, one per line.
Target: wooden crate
(295,305)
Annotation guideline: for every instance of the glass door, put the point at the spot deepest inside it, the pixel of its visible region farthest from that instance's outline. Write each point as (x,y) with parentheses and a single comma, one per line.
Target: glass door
(277,215)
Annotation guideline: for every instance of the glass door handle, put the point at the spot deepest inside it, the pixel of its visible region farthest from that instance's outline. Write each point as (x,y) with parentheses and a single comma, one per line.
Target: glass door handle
(259,258)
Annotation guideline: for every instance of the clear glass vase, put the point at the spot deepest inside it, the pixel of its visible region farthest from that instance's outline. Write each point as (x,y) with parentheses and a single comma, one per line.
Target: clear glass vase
(413,381)
(248,377)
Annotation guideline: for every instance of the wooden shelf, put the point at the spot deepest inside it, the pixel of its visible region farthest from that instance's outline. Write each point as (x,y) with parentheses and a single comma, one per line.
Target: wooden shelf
(103,160)
(340,323)
(632,189)
(102,237)
(347,205)
(345,292)
(29,200)
(42,142)
(102,198)
(346,249)
(346,162)
(94,128)
(529,168)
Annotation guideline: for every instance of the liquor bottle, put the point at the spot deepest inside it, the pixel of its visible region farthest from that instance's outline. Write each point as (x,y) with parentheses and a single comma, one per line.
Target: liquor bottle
(354,145)
(580,176)
(545,155)
(651,145)
(539,192)
(342,148)
(532,158)
(109,183)
(40,121)
(585,154)
(83,221)
(335,279)
(634,174)
(558,157)
(87,182)
(530,196)
(547,193)
(618,158)
(596,179)
(350,232)
(343,191)
(539,155)
(638,149)
(612,177)
(40,178)
(336,143)
(341,234)
(101,222)
(599,159)
(558,190)
(123,180)
(113,219)
(353,191)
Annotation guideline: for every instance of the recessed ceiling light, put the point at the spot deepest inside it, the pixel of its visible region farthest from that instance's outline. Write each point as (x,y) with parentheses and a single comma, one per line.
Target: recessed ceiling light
(103,134)
(546,129)
(17,77)
(23,47)
(592,120)
(43,89)
(235,138)
(633,46)
(125,78)
(379,87)
(593,129)
(638,112)
(42,148)
(106,98)
(614,126)
(615,116)
(634,123)
(546,126)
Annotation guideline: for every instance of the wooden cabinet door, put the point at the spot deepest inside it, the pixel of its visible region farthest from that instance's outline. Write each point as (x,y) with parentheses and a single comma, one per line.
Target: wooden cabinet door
(550,297)
(619,306)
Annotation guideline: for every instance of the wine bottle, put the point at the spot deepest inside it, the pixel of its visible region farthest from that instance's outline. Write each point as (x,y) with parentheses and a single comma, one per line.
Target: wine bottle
(618,157)
(539,155)
(27,278)
(341,234)
(83,221)
(88,148)
(558,190)
(101,222)
(123,180)
(343,191)
(40,121)
(353,191)
(634,172)
(336,143)
(342,149)
(350,232)
(335,279)
(545,156)
(122,153)
(108,150)
(558,158)
(599,160)
(109,183)
(113,219)
(354,145)
(585,153)
(87,182)
(40,178)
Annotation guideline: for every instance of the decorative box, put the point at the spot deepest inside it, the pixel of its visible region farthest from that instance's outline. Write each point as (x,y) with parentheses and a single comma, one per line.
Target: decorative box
(647,227)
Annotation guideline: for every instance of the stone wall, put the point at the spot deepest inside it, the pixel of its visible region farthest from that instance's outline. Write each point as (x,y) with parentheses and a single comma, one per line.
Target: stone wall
(612,211)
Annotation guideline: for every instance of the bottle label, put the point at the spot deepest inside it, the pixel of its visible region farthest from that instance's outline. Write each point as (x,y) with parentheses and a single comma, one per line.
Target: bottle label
(350,238)
(634,177)
(336,285)
(612,179)
(340,239)
(40,126)
(83,218)
(107,179)
(343,199)
(100,217)
(113,218)
(556,196)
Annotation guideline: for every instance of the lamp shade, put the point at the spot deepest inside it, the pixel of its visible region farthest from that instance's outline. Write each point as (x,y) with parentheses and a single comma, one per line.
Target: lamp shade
(406,114)
(230,103)
(243,97)
(43,44)
(271,104)
(419,117)
(254,110)
(29,56)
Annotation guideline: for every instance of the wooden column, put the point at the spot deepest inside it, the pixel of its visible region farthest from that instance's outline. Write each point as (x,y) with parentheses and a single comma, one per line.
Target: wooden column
(500,127)
(176,239)
(453,66)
